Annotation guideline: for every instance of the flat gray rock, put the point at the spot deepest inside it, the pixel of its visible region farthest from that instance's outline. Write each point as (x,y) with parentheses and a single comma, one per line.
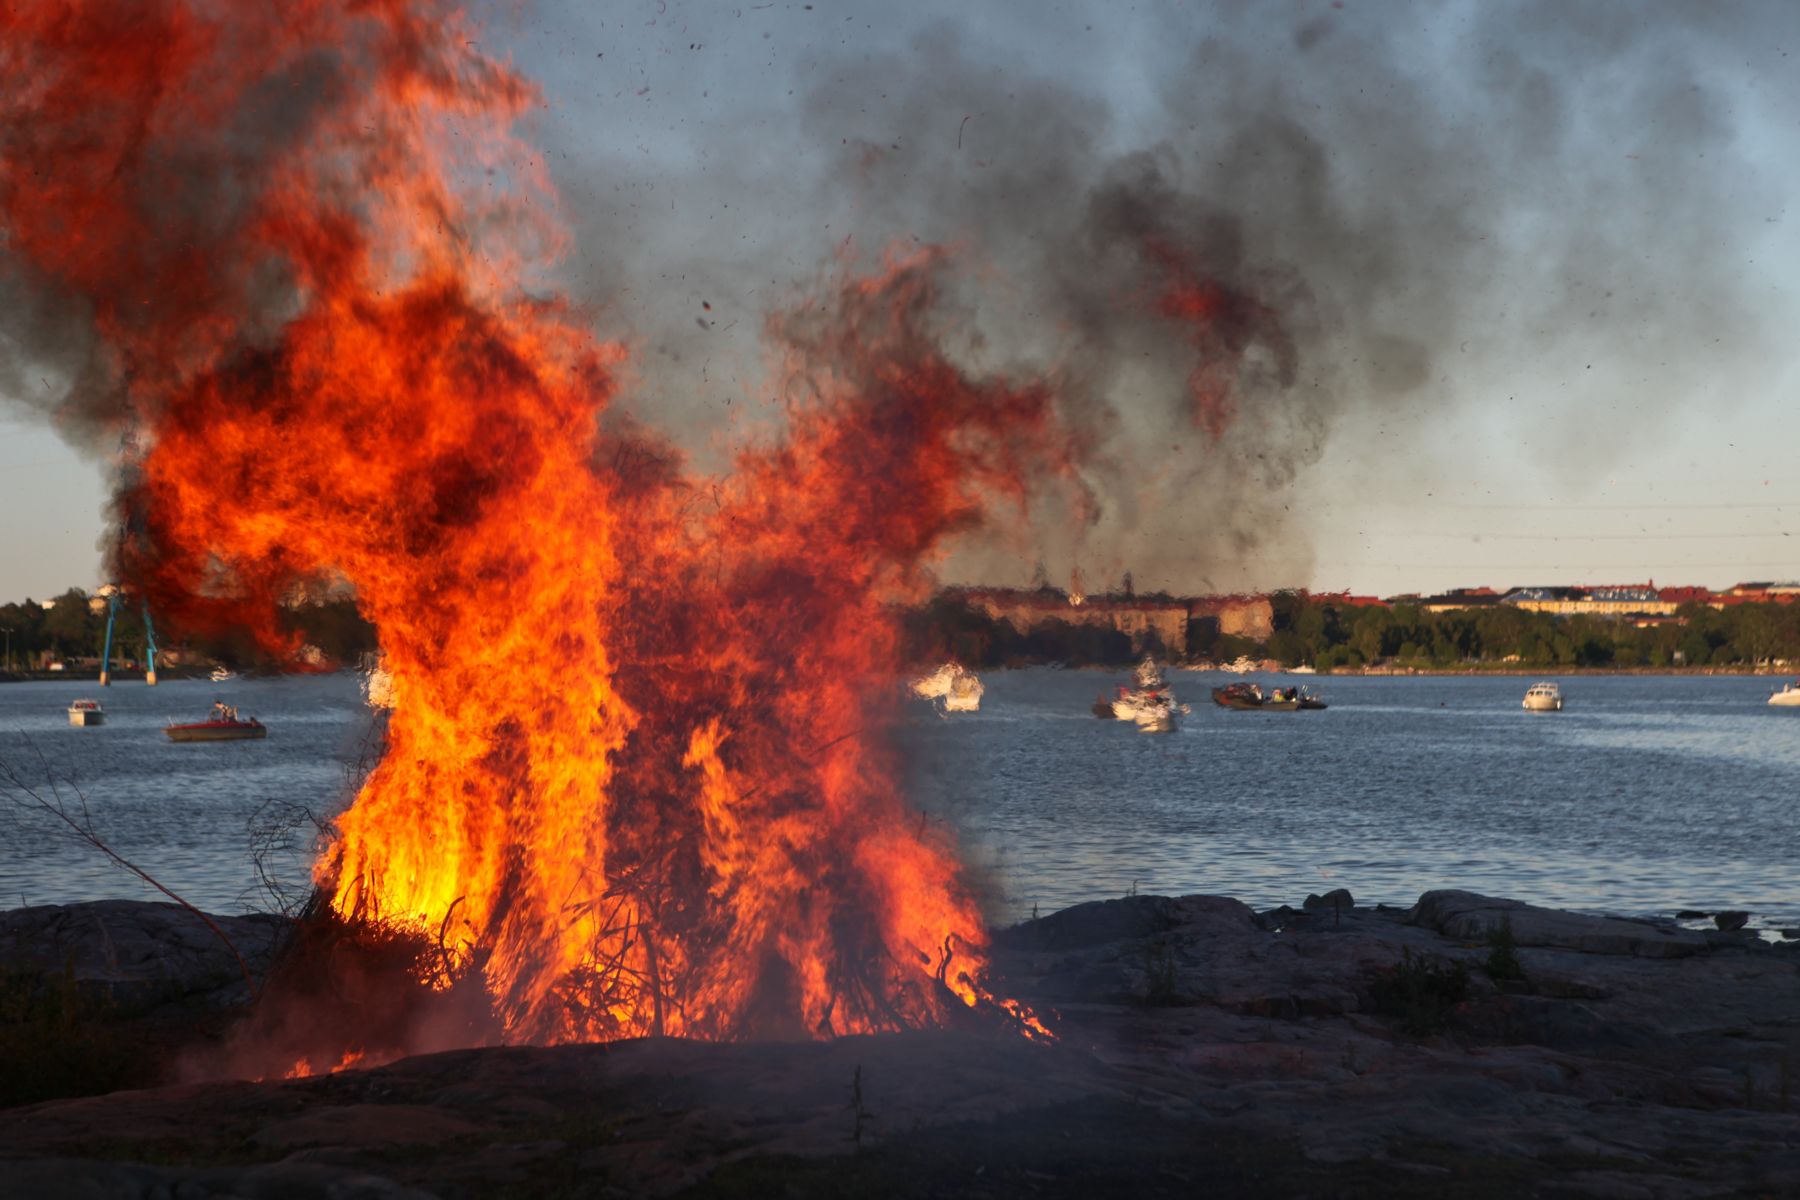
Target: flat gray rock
(76,1179)
(1344,1051)
(1473,917)
(139,955)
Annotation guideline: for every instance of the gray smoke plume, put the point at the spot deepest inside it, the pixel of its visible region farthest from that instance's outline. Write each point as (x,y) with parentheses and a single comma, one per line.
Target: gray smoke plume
(192,199)
(1540,210)
(1546,212)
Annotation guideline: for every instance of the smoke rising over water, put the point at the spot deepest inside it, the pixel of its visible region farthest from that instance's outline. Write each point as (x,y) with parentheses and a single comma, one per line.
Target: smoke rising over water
(1444,212)
(1547,210)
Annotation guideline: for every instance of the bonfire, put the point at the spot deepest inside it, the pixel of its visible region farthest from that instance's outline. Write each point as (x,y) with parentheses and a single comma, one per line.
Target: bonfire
(636,776)
(634,779)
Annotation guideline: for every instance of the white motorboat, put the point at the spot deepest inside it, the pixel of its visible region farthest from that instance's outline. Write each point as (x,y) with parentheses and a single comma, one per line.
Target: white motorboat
(86,712)
(1543,697)
(1787,697)
(1150,702)
(953,687)
(378,687)
(222,675)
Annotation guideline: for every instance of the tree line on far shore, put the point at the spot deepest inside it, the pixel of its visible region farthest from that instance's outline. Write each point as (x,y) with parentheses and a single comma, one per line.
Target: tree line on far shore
(1317,633)
(1307,632)
(73,629)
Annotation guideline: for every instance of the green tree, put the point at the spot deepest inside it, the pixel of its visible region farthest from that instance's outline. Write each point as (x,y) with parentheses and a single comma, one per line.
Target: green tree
(24,626)
(69,628)
(1562,650)
(1375,636)
(1316,627)
(1287,647)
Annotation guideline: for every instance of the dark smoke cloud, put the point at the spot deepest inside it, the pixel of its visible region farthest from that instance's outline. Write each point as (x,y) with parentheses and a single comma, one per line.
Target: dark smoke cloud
(193,200)
(1446,208)
(1543,209)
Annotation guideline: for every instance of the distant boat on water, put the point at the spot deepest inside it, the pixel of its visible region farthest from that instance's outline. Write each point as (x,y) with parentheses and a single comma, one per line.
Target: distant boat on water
(223,724)
(222,675)
(1150,701)
(86,712)
(953,686)
(1787,697)
(1543,697)
(1244,695)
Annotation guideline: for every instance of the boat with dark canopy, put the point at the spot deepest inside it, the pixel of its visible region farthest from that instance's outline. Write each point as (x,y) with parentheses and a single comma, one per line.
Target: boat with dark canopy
(1252,696)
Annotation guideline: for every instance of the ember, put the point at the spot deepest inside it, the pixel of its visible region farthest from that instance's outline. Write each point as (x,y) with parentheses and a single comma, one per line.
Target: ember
(634,780)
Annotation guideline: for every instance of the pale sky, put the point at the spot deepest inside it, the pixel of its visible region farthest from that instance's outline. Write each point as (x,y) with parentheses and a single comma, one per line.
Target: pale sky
(1540,260)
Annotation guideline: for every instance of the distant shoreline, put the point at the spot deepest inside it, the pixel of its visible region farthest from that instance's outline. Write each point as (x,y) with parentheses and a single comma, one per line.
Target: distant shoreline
(86,675)
(1509,670)
(1518,671)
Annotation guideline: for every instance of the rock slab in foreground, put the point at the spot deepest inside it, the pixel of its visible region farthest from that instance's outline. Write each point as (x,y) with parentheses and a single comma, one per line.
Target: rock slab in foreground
(141,956)
(1472,917)
(1206,1049)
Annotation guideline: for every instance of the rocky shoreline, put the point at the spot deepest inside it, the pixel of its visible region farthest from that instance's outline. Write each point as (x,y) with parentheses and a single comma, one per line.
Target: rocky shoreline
(1467,1046)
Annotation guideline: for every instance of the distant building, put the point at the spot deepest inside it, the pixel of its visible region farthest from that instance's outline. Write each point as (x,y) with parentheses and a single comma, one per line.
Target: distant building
(1540,599)
(1160,625)
(1460,598)
(1242,616)
(1759,593)
(1628,600)
(1346,600)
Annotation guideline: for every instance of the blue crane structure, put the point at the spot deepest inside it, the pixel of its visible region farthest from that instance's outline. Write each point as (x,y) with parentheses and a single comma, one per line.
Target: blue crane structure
(112,615)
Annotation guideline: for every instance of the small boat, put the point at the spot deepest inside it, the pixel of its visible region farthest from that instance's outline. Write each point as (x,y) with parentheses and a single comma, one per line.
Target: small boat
(222,675)
(1788,697)
(223,724)
(1543,697)
(1252,696)
(1150,701)
(87,712)
(378,688)
(954,687)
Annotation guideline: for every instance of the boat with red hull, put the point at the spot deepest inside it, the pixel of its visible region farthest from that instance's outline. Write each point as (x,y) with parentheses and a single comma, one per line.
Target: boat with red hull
(216,731)
(221,725)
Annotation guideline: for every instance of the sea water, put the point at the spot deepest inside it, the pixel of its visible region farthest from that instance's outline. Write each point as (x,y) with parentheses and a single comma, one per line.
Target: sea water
(199,817)
(1645,795)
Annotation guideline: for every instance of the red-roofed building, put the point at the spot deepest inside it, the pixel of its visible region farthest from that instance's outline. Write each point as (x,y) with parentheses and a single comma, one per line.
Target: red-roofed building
(1148,623)
(1346,600)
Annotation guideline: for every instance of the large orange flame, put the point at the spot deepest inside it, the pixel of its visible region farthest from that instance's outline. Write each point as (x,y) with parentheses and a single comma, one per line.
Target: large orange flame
(634,774)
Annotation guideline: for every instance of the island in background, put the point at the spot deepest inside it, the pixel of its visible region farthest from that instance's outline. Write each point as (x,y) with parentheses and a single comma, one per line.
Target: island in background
(1751,627)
